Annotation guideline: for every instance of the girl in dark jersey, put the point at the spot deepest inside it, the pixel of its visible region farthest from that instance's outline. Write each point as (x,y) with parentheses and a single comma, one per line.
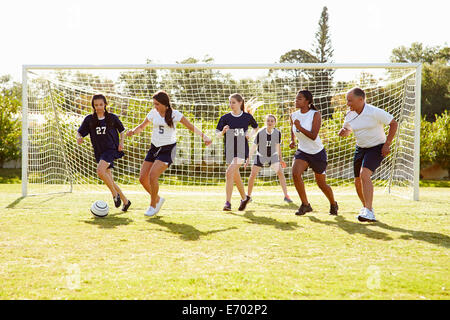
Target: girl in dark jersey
(104,128)
(267,145)
(234,126)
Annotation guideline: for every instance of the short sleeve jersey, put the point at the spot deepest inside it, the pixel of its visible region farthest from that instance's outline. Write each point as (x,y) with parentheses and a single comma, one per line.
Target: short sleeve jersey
(103,138)
(305,143)
(163,134)
(238,129)
(368,126)
(267,142)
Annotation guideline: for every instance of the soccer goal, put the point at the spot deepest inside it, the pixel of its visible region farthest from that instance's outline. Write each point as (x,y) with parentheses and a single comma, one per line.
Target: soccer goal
(56,98)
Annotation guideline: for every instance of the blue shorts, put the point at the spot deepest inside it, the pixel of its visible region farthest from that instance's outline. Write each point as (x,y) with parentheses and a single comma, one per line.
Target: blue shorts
(318,162)
(369,158)
(260,162)
(163,153)
(109,156)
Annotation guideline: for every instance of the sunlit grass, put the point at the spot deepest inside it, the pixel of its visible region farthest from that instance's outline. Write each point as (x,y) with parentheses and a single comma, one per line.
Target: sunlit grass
(53,248)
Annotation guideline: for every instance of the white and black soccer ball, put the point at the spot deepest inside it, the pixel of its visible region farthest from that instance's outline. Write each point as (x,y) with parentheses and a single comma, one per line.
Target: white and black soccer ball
(100,209)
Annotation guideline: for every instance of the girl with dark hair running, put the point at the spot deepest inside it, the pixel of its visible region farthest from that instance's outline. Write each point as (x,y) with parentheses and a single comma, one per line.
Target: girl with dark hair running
(163,145)
(305,124)
(104,129)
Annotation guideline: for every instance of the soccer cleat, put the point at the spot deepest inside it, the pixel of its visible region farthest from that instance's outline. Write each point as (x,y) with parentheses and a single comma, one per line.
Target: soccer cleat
(159,204)
(366,215)
(117,201)
(334,209)
(126,206)
(227,206)
(288,200)
(244,203)
(303,209)
(150,212)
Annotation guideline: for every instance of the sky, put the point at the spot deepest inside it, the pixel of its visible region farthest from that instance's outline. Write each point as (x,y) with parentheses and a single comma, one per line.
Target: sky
(229,31)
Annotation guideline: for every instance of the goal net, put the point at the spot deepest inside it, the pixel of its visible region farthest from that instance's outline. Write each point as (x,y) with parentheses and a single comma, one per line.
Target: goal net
(57,98)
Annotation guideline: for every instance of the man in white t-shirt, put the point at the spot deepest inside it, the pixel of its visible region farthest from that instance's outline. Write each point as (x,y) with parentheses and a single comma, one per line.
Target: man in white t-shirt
(372,146)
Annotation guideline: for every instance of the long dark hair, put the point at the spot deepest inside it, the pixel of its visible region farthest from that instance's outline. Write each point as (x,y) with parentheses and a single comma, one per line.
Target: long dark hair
(108,118)
(163,98)
(309,97)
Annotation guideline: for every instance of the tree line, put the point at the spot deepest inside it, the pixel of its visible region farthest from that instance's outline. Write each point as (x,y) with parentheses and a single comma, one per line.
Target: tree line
(435,97)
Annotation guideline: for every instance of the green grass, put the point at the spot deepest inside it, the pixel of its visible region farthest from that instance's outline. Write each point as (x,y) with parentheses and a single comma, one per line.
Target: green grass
(53,248)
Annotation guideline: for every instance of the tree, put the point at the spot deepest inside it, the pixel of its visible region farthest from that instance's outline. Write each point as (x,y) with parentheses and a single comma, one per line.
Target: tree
(323,50)
(322,47)
(10,130)
(435,75)
(418,53)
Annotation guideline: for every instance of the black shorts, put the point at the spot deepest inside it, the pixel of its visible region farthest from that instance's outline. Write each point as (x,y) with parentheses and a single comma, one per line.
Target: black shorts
(317,162)
(261,161)
(163,153)
(369,158)
(109,156)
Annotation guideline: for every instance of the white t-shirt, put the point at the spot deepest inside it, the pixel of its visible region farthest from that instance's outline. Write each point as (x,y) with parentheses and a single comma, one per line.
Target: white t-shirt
(306,144)
(163,134)
(368,126)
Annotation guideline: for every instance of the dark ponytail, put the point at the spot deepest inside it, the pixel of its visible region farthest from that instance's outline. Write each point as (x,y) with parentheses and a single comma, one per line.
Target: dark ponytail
(309,97)
(163,98)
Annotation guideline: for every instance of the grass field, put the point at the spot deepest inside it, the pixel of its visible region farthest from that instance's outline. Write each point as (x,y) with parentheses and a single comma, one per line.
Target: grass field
(53,248)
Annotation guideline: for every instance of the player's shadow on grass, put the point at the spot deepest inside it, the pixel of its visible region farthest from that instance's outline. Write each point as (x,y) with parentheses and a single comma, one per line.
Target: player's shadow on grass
(186,231)
(290,206)
(268,221)
(353,227)
(109,222)
(359,227)
(431,237)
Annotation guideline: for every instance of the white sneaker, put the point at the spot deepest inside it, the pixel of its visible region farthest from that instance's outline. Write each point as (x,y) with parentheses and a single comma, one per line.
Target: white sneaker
(371,215)
(159,204)
(366,215)
(150,212)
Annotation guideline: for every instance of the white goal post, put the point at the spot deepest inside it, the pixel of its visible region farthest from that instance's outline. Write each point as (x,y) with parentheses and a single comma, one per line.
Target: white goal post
(56,98)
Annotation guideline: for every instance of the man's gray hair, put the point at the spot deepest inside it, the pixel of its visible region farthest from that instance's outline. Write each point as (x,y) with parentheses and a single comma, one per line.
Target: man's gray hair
(358,92)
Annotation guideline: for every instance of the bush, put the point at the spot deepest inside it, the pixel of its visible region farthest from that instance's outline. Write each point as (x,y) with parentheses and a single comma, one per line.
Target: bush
(435,141)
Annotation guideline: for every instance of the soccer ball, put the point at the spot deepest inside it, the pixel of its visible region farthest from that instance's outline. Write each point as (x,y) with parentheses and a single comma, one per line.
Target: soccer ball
(100,209)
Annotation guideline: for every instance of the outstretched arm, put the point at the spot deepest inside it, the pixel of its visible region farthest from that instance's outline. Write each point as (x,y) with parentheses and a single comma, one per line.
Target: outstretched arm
(139,128)
(194,129)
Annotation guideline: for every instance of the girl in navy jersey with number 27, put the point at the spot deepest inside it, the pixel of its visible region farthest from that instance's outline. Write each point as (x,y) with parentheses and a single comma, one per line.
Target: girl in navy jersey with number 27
(163,145)
(104,128)
(234,126)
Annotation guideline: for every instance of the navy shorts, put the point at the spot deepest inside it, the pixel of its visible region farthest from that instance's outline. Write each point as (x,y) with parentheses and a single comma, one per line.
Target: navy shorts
(317,162)
(109,156)
(260,162)
(369,158)
(163,153)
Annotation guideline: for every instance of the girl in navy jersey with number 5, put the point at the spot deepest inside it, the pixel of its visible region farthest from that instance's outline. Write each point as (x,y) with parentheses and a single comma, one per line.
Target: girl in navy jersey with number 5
(104,129)
(163,145)
(234,126)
